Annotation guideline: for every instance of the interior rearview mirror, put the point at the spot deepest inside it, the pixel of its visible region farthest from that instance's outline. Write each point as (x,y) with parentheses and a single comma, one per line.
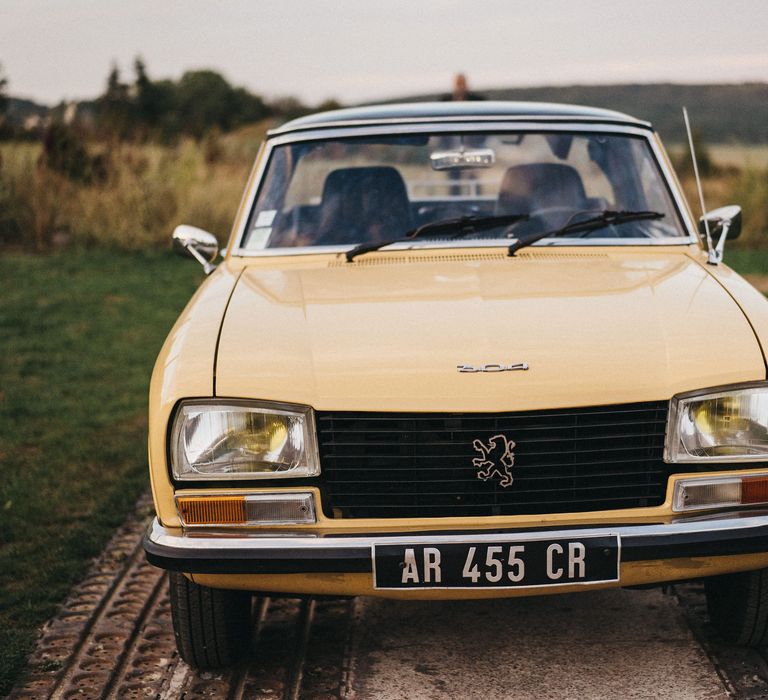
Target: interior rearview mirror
(461,159)
(201,245)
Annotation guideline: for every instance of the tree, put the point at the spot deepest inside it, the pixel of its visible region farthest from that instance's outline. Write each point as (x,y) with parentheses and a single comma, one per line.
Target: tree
(248,107)
(153,99)
(289,107)
(204,99)
(3,88)
(115,108)
(328,104)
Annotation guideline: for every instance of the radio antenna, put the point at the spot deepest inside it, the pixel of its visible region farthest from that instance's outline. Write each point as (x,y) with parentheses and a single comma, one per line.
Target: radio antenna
(712,258)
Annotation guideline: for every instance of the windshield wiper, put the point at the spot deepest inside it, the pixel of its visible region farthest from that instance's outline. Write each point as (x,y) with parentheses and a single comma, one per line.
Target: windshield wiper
(603,219)
(461,226)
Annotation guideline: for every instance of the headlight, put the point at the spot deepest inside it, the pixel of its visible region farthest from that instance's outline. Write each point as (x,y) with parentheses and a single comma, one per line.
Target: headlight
(214,440)
(729,425)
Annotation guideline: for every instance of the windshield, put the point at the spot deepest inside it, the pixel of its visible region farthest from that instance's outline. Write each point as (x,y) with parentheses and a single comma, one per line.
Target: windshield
(368,190)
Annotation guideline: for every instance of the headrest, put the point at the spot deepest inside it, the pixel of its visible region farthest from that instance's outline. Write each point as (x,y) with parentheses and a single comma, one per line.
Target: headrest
(527,188)
(361,204)
(367,178)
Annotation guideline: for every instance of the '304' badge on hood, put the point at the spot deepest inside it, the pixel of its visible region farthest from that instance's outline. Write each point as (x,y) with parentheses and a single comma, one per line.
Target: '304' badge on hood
(494,367)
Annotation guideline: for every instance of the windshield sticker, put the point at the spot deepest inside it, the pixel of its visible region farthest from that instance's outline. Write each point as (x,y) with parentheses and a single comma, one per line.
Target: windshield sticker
(265,218)
(258,238)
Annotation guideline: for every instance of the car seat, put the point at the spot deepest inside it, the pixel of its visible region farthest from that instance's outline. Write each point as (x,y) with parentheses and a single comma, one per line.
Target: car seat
(367,204)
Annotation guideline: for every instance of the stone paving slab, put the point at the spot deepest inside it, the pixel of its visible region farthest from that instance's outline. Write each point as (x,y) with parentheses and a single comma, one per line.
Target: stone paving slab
(606,644)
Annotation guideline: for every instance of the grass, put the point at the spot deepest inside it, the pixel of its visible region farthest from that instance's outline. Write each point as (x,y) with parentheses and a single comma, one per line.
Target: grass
(746,261)
(78,336)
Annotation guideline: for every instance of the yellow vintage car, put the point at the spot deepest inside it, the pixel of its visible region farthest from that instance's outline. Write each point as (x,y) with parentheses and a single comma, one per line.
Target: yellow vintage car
(461,350)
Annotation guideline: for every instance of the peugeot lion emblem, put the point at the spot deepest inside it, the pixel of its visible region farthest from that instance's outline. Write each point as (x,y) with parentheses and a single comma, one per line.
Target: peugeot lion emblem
(497,459)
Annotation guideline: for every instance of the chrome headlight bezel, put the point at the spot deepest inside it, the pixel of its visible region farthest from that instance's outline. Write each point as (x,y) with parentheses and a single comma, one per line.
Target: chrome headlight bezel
(309,466)
(674,449)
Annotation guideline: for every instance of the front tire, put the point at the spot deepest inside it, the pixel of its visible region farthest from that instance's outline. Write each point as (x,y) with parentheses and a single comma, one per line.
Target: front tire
(738,606)
(212,627)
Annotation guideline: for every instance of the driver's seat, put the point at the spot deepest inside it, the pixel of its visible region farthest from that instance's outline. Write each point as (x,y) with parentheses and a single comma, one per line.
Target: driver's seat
(365,204)
(526,189)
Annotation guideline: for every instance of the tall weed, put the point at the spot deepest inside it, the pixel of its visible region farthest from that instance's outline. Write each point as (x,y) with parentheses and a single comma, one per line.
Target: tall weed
(146,191)
(750,189)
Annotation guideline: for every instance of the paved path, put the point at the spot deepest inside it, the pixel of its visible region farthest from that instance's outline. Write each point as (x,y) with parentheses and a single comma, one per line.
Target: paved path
(113,639)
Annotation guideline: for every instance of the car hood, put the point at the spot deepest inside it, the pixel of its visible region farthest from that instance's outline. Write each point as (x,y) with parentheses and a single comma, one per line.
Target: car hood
(388,331)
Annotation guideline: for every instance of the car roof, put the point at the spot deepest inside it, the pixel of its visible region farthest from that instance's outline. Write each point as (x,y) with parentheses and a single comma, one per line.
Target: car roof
(420,112)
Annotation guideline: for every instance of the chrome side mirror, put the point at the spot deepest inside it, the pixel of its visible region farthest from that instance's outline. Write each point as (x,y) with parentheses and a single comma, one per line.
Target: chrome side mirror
(201,245)
(723,223)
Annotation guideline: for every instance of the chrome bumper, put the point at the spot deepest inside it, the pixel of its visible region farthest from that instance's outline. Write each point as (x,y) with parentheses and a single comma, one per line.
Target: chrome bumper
(721,534)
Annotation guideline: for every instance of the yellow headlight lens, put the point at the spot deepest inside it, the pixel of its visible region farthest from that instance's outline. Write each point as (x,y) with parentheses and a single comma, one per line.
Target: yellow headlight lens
(257,435)
(724,426)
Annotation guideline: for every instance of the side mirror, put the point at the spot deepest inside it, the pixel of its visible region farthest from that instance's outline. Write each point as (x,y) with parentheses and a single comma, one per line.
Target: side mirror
(724,222)
(201,245)
(725,217)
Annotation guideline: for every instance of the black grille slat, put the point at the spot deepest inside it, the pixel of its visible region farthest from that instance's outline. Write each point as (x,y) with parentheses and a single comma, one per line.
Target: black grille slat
(531,441)
(354,466)
(520,492)
(629,448)
(371,482)
(630,501)
(626,409)
(566,460)
(527,428)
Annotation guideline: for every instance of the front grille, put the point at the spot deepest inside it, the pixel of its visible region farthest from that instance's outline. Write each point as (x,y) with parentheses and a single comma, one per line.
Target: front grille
(408,465)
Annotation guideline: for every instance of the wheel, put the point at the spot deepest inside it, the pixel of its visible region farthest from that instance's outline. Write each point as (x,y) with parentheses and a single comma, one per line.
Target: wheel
(212,627)
(738,606)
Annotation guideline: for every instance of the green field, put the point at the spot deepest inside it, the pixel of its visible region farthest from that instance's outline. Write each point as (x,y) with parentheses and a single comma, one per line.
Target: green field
(78,336)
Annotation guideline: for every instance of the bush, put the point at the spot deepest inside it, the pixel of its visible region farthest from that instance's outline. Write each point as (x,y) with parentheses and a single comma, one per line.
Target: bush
(64,153)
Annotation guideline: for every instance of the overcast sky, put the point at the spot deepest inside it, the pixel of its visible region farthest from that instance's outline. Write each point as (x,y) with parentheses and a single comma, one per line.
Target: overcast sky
(361,50)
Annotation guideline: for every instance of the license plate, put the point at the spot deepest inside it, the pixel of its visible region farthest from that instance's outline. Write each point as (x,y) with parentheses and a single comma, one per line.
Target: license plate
(513,563)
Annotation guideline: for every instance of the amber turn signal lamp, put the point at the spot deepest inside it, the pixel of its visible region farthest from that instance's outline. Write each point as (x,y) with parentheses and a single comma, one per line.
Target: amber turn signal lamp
(719,492)
(280,508)
(754,490)
(207,510)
